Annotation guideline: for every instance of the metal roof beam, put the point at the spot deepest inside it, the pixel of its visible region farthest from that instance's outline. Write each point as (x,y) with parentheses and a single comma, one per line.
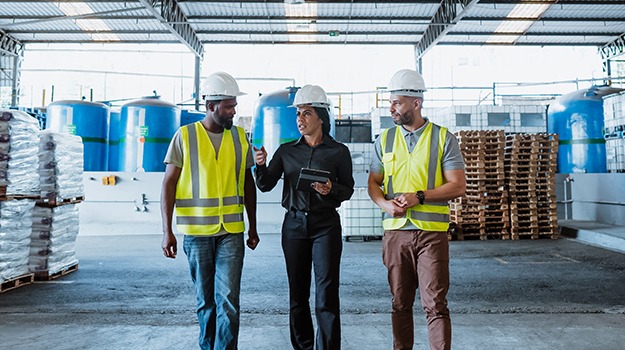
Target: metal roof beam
(9,45)
(176,21)
(483,2)
(288,42)
(321,33)
(546,19)
(245,1)
(391,20)
(532,34)
(42,19)
(320,1)
(559,3)
(93,31)
(96,15)
(449,13)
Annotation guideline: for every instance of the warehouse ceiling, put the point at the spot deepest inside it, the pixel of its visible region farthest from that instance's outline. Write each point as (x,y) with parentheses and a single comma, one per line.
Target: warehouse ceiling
(419,23)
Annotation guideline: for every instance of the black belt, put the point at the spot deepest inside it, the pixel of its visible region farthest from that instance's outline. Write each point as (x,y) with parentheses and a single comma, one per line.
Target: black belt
(312,212)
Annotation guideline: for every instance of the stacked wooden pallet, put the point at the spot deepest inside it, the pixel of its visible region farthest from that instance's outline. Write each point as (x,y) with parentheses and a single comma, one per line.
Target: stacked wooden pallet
(483,211)
(530,163)
(547,147)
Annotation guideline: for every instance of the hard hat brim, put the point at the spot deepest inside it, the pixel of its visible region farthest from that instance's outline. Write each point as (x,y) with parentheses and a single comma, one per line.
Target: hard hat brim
(222,97)
(411,93)
(320,105)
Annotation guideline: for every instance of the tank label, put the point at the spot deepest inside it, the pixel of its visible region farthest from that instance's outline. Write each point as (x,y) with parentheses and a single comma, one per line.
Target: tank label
(69,129)
(143,131)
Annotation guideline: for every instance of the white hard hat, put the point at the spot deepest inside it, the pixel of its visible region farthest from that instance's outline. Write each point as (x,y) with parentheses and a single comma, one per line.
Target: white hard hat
(407,82)
(220,86)
(311,95)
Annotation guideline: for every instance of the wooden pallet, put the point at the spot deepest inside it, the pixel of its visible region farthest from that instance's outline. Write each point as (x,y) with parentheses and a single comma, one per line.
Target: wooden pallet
(17,282)
(481,230)
(516,236)
(484,237)
(8,197)
(46,276)
(55,202)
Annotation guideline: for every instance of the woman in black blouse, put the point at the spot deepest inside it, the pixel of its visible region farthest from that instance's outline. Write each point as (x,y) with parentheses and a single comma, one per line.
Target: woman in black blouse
(311,231)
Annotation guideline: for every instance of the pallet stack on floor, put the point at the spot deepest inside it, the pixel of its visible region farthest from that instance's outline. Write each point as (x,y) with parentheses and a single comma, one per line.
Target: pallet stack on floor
(55,217)
(39,173)
(483,211)
(19,186)
(510,186)
(530,163)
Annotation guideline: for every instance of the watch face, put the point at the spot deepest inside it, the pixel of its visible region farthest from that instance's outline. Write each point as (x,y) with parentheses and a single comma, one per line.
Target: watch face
(421,196)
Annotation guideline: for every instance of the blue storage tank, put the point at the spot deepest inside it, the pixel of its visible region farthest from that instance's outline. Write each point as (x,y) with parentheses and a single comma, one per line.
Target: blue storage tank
(188,116)
(274,121)
(577,118)
(89,120)
(147,126)
(114,136)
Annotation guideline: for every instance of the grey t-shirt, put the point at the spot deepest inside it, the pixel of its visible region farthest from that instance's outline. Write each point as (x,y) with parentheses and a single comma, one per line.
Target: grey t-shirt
(174,152)
(452,157)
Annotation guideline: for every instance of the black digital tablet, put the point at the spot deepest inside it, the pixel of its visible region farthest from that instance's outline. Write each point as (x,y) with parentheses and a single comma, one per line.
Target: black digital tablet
(307,176)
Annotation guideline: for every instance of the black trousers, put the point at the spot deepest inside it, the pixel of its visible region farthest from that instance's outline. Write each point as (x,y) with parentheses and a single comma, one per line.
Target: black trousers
(313,240)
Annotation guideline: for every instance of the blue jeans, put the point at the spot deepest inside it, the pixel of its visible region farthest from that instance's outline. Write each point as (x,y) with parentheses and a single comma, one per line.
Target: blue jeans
(216,264)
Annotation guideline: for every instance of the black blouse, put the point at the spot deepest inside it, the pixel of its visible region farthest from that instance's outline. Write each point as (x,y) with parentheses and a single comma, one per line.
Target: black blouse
(292,156)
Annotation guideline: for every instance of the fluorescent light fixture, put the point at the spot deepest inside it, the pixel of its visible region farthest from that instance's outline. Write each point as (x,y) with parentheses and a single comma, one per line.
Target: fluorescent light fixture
(526,10)
(81,8)
(293,27)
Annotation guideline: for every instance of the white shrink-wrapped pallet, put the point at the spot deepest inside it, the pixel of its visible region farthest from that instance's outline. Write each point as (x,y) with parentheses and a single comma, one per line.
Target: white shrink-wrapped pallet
(53,238)
(15,232)
(60,165)
(19,145)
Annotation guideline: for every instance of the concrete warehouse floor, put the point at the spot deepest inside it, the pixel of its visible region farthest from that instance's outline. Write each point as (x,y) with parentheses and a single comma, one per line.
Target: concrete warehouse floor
(528,294)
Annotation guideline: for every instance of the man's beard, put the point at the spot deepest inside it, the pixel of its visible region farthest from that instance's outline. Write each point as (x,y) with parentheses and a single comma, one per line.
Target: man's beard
(404,119)
(224,121)
(227,124)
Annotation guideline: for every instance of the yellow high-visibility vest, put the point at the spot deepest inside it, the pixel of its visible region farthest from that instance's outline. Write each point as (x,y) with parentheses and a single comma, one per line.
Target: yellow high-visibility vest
(210,190)
(406,172)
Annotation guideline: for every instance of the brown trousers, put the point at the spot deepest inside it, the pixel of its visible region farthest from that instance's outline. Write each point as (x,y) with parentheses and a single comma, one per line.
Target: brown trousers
(415,258)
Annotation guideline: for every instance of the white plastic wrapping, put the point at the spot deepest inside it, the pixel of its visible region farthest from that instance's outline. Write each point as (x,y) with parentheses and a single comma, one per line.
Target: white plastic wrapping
(53,238)
(19,144)
(15,232)
(60,165)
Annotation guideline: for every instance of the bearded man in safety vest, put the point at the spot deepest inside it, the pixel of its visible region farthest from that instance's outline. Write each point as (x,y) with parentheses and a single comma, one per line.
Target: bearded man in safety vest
(416,169)
(208,179)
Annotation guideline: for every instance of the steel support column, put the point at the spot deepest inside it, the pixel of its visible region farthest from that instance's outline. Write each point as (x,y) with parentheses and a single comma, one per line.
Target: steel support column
(196,82)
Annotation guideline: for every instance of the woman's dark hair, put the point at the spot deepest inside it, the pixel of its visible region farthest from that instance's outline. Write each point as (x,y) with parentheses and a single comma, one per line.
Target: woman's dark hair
(325,118)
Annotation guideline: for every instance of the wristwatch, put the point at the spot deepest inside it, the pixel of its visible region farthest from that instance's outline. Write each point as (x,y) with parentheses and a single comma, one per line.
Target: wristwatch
(421,197)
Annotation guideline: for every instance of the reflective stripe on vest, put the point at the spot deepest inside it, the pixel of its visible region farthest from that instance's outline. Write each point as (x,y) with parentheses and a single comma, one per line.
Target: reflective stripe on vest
(209,193)
(406,172)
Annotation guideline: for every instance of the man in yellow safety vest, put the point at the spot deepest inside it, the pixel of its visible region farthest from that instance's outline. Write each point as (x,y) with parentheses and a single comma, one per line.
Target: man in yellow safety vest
(208,180)
(416,169)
